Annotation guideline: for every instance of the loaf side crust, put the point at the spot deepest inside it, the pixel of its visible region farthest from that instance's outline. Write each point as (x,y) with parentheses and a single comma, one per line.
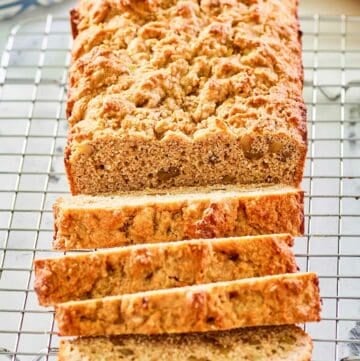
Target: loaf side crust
(276,343)
(270,300)
(166,93)
(158,266)
(83,222)
(74,20)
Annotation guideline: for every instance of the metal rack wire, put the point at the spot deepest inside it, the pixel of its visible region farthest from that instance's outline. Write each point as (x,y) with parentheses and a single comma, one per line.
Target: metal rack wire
(32,136)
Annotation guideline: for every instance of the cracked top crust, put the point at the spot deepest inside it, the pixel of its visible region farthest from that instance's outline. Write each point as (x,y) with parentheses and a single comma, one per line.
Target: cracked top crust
(154,68)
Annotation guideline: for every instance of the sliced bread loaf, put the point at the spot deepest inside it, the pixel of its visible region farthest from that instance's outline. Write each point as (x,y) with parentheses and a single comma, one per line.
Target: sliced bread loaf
(179,93)
(162,265)
(270,300)
(99,222)
(277,343)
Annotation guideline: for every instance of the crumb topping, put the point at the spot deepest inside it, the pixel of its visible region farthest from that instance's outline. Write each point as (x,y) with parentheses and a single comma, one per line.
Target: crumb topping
(159,67)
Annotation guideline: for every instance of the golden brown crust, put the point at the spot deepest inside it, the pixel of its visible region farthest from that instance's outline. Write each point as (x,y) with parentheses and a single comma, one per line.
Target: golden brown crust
(165,93)
(277,343)
(271,300)
(165,265)
(67,166)
(84,222)
(74,21)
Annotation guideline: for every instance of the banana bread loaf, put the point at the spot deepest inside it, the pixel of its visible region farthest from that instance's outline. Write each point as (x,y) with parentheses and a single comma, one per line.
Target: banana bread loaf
(181,93)
(276,343)
(270,300)
(162,265)
(99,222)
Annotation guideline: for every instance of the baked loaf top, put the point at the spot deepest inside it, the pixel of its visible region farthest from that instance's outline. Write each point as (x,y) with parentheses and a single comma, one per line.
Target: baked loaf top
(157,266)
(162,68)
(270,300)
(281,343)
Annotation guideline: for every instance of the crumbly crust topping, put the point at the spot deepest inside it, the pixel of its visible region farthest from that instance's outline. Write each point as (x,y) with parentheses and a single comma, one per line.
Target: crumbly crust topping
(156,68)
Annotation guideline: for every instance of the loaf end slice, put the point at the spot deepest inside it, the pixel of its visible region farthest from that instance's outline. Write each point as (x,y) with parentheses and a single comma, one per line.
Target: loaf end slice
(276,343)
(162,265)
(271,300)
(83,222)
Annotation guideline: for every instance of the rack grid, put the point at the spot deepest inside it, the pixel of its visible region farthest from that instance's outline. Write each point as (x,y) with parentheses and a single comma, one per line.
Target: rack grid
(33,133)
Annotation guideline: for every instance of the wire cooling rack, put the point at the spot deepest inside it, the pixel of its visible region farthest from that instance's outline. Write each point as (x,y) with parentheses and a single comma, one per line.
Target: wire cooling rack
(32,136)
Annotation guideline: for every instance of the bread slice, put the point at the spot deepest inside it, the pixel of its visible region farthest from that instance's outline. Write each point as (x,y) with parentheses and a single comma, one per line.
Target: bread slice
(162,265)
(99,222)
(270,300)
(276,343)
